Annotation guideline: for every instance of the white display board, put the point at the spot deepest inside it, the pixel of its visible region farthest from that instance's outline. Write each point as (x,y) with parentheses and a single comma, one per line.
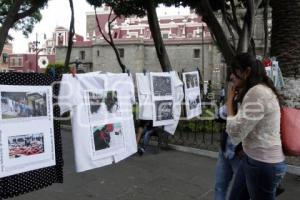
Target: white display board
(106,131)
(162,89)
(26,129)
(192,94)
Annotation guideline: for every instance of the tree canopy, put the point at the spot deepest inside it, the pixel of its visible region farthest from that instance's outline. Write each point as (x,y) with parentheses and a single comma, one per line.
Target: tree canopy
(19,15)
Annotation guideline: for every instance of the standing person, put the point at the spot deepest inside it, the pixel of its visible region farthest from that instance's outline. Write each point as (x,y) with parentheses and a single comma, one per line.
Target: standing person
(222,95)
(145,129)
(229,159)
(257,126)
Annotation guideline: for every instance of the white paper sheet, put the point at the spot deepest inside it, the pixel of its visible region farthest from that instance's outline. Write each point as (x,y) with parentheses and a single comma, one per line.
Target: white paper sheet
(26,131)
(162,88)
(192,94)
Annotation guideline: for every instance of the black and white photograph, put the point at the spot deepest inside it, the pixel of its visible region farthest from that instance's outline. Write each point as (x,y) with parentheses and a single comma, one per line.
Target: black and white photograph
(103,103)
(191,80)
(164,110)
(162,85)
(194,102)
(23,104)
(25,145)
(107,136)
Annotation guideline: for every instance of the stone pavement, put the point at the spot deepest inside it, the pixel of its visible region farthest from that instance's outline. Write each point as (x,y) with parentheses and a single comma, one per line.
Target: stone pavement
(169,175)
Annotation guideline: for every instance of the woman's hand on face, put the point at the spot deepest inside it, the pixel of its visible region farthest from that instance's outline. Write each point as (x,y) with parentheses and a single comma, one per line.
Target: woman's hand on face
(231,92)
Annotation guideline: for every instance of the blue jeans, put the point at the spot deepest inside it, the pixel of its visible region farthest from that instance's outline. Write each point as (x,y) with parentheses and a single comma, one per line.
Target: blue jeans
(226,168)
(261,179)
(147,135)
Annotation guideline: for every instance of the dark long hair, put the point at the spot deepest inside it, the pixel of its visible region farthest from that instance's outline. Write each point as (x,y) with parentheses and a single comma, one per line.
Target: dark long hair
(257,75)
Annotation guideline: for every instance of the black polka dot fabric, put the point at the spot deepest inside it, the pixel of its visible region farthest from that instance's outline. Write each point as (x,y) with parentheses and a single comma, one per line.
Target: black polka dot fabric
(33,180)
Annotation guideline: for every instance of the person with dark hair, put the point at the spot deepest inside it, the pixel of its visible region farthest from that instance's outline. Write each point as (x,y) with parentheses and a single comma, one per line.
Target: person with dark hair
(257,125)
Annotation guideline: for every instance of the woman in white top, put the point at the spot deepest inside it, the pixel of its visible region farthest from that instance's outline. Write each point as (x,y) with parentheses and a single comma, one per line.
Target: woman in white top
(257,126)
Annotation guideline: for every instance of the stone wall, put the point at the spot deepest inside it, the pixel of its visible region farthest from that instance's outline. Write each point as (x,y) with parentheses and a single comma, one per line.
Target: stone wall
(139,55)
(291,92)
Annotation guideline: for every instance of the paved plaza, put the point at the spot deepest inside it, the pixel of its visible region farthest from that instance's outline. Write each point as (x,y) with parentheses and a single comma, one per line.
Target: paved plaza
(168,175)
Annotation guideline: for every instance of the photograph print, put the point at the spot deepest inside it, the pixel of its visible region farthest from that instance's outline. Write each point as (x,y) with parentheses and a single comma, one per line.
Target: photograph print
(162,85)
(191,80)
(103,103)
(25,145)
(107,136)
(23,104)
(194,102)
(164,110)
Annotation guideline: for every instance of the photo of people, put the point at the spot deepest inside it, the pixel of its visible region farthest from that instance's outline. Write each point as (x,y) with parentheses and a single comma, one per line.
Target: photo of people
(162,85)
(164,110)
(194,102)
(107,136)
(105,102)
(191,80)
(23,104)
(25,145)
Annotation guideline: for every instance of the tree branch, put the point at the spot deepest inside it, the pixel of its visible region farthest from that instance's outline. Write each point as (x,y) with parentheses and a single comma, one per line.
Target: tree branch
(71,35)
(123,67)
(110,41)
(26,13)
(266,12)
(235,20)
(8,22)
(100,29)
(248,27)
(225,16)
(216,30)
(154,26)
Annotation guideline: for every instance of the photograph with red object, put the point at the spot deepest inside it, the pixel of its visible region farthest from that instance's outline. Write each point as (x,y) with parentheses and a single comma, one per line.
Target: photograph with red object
(103,135)
(25,145)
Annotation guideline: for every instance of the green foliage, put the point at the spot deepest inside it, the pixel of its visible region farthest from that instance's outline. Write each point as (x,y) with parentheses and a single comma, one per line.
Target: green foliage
(26,17)
(96,3)
(124,8)
(59,68)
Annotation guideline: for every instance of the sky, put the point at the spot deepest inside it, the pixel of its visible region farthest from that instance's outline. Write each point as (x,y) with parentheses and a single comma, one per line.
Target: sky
(58,13)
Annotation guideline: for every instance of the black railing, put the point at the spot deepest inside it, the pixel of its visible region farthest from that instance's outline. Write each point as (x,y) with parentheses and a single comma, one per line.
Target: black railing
(204,134)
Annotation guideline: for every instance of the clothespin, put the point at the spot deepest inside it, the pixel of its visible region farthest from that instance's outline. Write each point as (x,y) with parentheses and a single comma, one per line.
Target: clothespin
(144,71)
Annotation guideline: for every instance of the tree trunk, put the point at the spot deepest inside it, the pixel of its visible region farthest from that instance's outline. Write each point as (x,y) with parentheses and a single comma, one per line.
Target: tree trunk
(8,23)
(216,30)
(71,35)
(285,40)
(156,35)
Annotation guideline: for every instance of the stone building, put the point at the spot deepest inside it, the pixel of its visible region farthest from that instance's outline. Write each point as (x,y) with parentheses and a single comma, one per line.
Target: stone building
(29,62)
(187,39)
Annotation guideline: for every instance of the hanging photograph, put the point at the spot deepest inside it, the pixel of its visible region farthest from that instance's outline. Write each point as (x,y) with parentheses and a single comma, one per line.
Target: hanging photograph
(162,85)
(192,94)
(23,104)
(25,145)
(191,80)
(107,139)
(103,104)
(164,110)
(26,131)
(194,102)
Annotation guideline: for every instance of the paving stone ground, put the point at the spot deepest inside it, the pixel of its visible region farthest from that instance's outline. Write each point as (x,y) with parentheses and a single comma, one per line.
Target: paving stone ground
(168,175)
